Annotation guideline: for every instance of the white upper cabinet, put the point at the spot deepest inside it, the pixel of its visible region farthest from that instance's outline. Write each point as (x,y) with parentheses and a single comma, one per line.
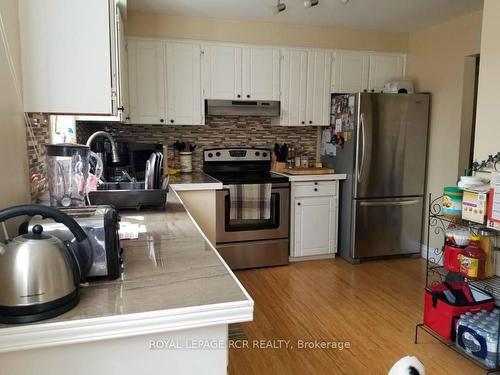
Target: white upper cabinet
(146,81)
(318,87)
(67,63)
(241,73)
(350,72)
(260,73)
(222,72)
(122,67)
(183,83)
(384,67)
(293,87)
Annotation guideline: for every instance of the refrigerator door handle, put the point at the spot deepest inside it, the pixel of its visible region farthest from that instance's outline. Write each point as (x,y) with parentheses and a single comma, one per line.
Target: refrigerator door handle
(362,131)
(390,203)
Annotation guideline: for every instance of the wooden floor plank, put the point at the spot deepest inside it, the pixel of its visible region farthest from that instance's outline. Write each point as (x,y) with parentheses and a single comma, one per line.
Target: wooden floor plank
(373,305)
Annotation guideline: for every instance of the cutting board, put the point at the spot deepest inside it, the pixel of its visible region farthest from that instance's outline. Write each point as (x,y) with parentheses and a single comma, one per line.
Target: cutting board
(306,171)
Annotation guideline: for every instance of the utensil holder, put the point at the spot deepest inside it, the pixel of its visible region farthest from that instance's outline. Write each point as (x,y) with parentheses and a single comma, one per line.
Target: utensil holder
(186,159)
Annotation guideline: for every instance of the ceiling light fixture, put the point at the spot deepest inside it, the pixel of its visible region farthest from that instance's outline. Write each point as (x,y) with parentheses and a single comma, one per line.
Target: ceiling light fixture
(344,1)
(280,7)
(310,3)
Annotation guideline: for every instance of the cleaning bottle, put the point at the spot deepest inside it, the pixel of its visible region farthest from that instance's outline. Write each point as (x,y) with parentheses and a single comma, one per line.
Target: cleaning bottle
(473,260)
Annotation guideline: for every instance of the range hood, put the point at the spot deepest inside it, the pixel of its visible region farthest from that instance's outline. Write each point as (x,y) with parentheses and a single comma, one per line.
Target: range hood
(242,108)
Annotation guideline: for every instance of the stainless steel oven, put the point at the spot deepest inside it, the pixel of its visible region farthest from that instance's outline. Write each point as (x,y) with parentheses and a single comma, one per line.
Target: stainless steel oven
(254,243)
(257,242)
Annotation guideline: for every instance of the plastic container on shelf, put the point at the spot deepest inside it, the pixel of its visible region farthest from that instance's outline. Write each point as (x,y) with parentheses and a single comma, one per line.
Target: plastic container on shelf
(452,202)
(473,260)
(487,241)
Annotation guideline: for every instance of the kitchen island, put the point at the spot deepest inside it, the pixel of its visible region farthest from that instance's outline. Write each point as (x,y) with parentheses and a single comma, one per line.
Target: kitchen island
(167,314)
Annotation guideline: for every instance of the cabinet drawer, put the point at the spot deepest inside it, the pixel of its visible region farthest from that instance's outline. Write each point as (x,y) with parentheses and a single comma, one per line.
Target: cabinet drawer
(315,188)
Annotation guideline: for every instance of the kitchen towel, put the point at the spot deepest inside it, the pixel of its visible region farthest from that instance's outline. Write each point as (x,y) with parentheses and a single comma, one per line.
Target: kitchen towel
(250,201)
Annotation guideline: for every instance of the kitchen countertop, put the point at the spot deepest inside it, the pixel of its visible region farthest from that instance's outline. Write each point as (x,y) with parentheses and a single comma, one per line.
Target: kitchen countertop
(313,177)
(194,181)
(173,279)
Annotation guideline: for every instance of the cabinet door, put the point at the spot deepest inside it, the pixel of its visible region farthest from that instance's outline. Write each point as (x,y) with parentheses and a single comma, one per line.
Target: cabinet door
(318,87)
(315,229)
(146,81)
(260,73)
(122,69)
(350,72)
(66,64)
(384,67)
(183,83)
(222,72)
(293,87)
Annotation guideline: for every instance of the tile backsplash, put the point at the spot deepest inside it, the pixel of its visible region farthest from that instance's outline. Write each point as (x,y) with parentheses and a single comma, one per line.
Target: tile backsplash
(219,131)
(37,134)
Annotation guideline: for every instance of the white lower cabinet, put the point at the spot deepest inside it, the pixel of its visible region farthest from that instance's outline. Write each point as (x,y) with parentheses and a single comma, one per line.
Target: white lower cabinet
(314,219)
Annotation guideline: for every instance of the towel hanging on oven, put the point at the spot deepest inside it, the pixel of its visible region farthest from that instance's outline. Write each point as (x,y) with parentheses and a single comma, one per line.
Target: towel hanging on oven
(250,201)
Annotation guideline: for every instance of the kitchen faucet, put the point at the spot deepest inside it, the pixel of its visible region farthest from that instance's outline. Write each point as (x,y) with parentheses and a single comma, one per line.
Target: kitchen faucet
(114,150)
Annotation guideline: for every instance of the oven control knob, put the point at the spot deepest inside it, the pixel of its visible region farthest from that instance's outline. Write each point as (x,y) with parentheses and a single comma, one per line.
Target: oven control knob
(217,154)
(210,155)
(257,153)
(264,154)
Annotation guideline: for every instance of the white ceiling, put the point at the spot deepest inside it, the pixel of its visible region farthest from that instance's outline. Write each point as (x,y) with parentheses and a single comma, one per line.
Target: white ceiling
(383,15)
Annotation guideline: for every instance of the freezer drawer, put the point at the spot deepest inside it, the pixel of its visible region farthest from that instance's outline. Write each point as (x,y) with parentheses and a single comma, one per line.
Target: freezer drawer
(389,226)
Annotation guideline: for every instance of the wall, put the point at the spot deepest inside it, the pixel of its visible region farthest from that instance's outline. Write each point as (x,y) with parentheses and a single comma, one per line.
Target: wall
(436,58)
(14,186)
(487,140)
(227,131)
(170,26)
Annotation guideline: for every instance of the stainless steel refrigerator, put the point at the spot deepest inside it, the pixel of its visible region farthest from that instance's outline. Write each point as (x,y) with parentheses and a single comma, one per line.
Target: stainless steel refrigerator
(382,147)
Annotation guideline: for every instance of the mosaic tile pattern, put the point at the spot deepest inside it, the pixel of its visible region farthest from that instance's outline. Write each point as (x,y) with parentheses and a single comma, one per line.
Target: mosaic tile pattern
(37,137)
(219,131)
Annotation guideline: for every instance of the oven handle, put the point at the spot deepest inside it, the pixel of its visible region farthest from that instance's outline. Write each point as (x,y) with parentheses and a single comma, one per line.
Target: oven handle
(278,185)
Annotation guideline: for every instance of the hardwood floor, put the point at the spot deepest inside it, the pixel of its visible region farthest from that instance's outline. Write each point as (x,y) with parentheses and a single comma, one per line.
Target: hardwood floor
(374,306)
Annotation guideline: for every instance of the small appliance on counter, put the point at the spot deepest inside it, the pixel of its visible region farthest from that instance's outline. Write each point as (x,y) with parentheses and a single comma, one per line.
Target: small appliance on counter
(101,224)
(40,275)
(69,177)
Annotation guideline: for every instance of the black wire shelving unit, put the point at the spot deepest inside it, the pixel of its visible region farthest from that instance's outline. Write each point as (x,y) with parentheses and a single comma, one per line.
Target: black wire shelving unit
(436,274)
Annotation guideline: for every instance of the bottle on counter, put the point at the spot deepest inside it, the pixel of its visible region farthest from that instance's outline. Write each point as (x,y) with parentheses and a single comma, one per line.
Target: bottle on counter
(473,260)
(297,158)
(291,158)
(304,161)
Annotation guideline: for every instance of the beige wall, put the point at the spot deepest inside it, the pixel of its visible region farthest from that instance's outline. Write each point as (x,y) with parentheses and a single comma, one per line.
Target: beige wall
(168,26)
(436,61)
(14,187)
(487,140)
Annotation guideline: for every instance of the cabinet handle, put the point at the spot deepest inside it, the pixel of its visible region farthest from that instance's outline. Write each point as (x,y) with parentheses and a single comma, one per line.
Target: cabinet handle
(373,90)
(302,122)
(298,203)
(315,183)
(310,122)
(248,96)
(171,121)
(239,96)
(122,108)
(162,120)
(315,189)
(365,90)
(127,118)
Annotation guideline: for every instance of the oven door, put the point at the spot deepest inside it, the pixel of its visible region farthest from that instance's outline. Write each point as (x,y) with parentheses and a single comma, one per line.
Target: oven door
(250,230)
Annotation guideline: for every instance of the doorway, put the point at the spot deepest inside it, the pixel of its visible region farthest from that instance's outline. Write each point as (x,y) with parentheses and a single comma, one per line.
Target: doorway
(468,122)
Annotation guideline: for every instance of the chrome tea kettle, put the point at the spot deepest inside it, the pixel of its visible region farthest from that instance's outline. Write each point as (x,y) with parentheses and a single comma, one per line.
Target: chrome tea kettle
(39,274)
